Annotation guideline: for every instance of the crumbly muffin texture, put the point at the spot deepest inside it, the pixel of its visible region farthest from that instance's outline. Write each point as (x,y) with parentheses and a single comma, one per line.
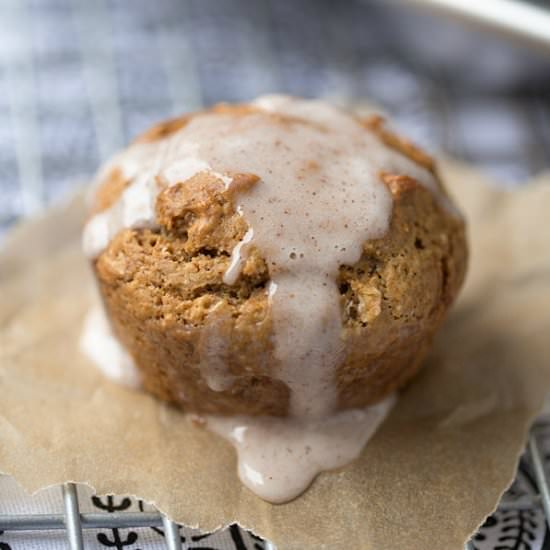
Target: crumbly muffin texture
(164,291)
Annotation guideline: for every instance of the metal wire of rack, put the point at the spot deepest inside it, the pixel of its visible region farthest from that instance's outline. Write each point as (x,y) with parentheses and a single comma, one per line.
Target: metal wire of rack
(74,522)
(99,73)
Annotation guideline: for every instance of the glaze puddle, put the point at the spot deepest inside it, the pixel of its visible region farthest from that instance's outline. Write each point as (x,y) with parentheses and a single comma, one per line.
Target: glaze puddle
(279,458)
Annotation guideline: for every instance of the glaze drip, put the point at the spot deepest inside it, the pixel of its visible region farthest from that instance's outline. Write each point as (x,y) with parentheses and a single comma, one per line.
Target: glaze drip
(100,344)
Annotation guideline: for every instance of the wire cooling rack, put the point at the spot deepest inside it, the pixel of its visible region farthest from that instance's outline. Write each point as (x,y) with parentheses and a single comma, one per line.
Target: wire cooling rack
(78,79)
(73,522)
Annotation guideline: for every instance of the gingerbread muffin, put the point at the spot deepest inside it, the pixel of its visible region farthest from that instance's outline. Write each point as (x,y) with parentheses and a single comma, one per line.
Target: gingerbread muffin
(276,258)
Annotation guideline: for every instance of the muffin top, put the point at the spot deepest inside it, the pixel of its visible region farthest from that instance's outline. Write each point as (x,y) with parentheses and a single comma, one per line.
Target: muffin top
(262,209)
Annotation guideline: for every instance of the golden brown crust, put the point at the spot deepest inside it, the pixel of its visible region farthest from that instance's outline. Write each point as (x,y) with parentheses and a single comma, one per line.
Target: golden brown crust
(163,129)
(398,184)
(109,190)
(166,297)
(114,183)
(376,124)
(396,297)
(168,127)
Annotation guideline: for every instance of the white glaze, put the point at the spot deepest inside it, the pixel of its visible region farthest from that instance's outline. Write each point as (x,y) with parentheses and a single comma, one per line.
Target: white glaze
(318,199)
(214,346)
(149,168)
(278,459)
(238,259)
(100,344)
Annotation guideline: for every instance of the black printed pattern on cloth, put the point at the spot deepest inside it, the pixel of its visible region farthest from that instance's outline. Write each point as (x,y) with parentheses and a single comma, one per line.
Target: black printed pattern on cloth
(4,545)
(234,531)
(114,539)
(520,528)
(509,530)
(259,542)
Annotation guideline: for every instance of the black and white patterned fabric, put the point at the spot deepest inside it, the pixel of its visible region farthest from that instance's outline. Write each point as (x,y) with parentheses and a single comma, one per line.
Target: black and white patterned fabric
(13,500)
(519,522)
(79,78)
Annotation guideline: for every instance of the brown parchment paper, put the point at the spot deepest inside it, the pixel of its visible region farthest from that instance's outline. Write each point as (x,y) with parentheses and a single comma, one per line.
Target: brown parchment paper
(435,469)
